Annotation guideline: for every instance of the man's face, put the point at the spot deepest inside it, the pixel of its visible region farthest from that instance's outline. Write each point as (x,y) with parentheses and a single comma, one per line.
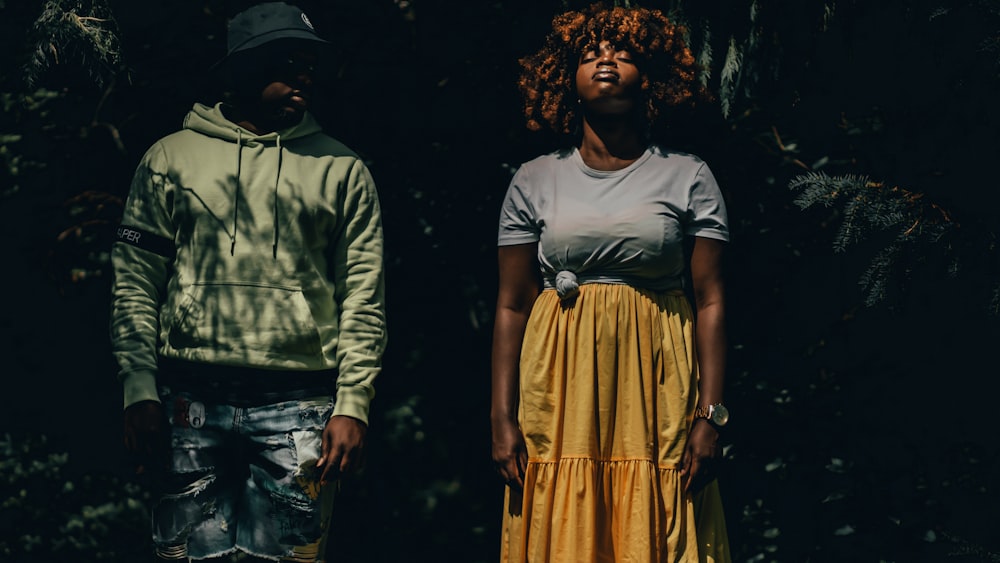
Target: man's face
(288,88)
(275,83)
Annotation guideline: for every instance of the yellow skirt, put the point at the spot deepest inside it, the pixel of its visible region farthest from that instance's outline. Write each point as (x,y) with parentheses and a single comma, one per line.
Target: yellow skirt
(609,384)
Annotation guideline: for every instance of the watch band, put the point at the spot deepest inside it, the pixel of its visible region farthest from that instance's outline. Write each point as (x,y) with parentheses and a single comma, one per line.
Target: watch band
(717,414)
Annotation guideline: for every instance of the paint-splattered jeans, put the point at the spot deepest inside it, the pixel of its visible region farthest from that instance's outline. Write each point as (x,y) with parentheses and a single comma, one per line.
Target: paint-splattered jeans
(243,478)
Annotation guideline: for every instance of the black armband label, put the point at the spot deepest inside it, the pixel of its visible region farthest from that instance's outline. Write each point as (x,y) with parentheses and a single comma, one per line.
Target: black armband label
(145,240)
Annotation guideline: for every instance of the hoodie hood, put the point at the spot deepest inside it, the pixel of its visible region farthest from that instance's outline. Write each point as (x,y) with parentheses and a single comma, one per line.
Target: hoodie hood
(209,120)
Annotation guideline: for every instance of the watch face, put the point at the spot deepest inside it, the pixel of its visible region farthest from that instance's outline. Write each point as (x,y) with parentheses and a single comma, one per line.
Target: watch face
(720,415)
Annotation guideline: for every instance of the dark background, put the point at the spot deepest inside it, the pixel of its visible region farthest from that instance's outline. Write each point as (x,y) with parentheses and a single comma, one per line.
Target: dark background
(863,432)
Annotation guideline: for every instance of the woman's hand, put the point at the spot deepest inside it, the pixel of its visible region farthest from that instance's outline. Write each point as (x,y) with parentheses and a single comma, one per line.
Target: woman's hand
(510,455)
(520,285)
(701,455)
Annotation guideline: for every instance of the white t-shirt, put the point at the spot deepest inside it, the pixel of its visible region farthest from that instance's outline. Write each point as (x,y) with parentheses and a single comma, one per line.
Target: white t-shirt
(621,226)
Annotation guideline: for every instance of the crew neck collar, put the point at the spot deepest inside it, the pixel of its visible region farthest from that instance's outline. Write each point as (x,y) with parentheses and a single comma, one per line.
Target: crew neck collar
(578,158)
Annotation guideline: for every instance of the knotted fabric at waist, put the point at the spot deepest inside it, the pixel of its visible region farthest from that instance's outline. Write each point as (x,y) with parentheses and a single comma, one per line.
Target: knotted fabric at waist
(245,386)
(567,283)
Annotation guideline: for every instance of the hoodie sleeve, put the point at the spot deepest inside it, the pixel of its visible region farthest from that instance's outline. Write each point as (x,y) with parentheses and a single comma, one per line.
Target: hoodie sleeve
(140,258)
(360,287)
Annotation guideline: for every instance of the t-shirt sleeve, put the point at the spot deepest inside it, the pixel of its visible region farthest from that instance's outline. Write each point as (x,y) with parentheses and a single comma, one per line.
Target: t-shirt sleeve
(518,219)
(706,209)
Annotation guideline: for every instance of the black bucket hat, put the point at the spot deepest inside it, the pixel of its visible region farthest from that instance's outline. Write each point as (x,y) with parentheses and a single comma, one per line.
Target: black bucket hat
(267,22)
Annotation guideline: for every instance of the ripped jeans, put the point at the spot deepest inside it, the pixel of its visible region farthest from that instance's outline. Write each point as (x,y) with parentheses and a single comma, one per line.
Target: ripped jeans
(243,478)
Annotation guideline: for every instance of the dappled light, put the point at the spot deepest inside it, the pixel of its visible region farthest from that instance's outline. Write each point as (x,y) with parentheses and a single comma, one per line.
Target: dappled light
(854,143)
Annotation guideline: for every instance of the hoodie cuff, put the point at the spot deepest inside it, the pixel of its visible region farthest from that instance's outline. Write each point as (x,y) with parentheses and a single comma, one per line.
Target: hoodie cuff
(140,386)
(353,402)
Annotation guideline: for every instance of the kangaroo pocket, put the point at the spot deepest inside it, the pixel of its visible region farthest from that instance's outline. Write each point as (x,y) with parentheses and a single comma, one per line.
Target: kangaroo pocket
(238,316)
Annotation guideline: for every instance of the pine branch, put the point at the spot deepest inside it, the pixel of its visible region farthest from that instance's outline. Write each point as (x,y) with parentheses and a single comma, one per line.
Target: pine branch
(69,33)
(915,225)
(875,280)
(730,69)
(705,56)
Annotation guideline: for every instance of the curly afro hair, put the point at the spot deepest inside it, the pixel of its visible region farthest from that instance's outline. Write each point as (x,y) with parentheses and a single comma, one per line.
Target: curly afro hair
(667,67)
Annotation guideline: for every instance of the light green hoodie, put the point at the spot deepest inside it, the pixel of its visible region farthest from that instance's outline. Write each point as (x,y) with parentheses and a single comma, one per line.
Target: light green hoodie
(250,250)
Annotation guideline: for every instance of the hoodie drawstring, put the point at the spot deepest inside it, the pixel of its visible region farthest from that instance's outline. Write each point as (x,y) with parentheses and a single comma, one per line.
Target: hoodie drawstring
(277,182)
(236,197)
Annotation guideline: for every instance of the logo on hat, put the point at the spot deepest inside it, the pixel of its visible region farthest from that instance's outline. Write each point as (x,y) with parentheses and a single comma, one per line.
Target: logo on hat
(308,23)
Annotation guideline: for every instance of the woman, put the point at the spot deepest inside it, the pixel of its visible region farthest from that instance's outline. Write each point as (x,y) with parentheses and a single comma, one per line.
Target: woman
(601,398)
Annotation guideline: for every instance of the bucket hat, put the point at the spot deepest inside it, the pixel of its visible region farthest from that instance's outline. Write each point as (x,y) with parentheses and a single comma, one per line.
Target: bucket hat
(267,22)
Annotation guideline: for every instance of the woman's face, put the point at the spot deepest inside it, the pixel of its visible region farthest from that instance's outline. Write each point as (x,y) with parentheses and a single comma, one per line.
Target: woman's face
(607,81)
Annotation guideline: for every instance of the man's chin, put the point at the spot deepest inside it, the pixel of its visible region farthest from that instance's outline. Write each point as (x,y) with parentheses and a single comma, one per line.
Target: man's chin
(289,116)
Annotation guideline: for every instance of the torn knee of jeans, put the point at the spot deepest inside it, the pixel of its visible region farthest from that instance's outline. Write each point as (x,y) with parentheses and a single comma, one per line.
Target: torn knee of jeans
(278,442)
(192,488)
(291,500)
(315,412)
(208,511)
(172,544)
(308,445)
(180,442)
(307,452)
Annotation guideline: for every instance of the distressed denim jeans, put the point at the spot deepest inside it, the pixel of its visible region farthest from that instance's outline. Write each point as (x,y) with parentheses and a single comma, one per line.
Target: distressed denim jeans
(243,478)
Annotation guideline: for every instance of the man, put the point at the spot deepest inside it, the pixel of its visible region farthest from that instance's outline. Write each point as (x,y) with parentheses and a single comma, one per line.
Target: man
(247,311)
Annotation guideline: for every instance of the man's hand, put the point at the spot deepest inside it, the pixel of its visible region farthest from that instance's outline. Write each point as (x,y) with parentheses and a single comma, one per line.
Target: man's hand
(700,457)
(343,447)
(146,435)
(510,455)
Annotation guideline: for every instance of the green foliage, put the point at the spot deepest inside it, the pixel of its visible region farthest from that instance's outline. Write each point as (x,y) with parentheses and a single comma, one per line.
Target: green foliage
(12,162)
(730,72)
(911,228)
(704,57)
(77,34)
(757,41)
(871,208)
(819,58)
(81,253)
(48,514)
(17,109)
(808,475)
(78,253)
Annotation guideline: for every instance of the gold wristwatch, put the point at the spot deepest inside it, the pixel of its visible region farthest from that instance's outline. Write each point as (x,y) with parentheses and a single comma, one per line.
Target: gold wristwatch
(717,414)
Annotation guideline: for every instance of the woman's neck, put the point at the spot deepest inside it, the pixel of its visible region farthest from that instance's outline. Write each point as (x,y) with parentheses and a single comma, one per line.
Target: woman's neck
(610,144)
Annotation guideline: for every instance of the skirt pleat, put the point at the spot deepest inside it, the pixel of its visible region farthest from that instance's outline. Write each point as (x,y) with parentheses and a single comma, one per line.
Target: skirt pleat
(608,388)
